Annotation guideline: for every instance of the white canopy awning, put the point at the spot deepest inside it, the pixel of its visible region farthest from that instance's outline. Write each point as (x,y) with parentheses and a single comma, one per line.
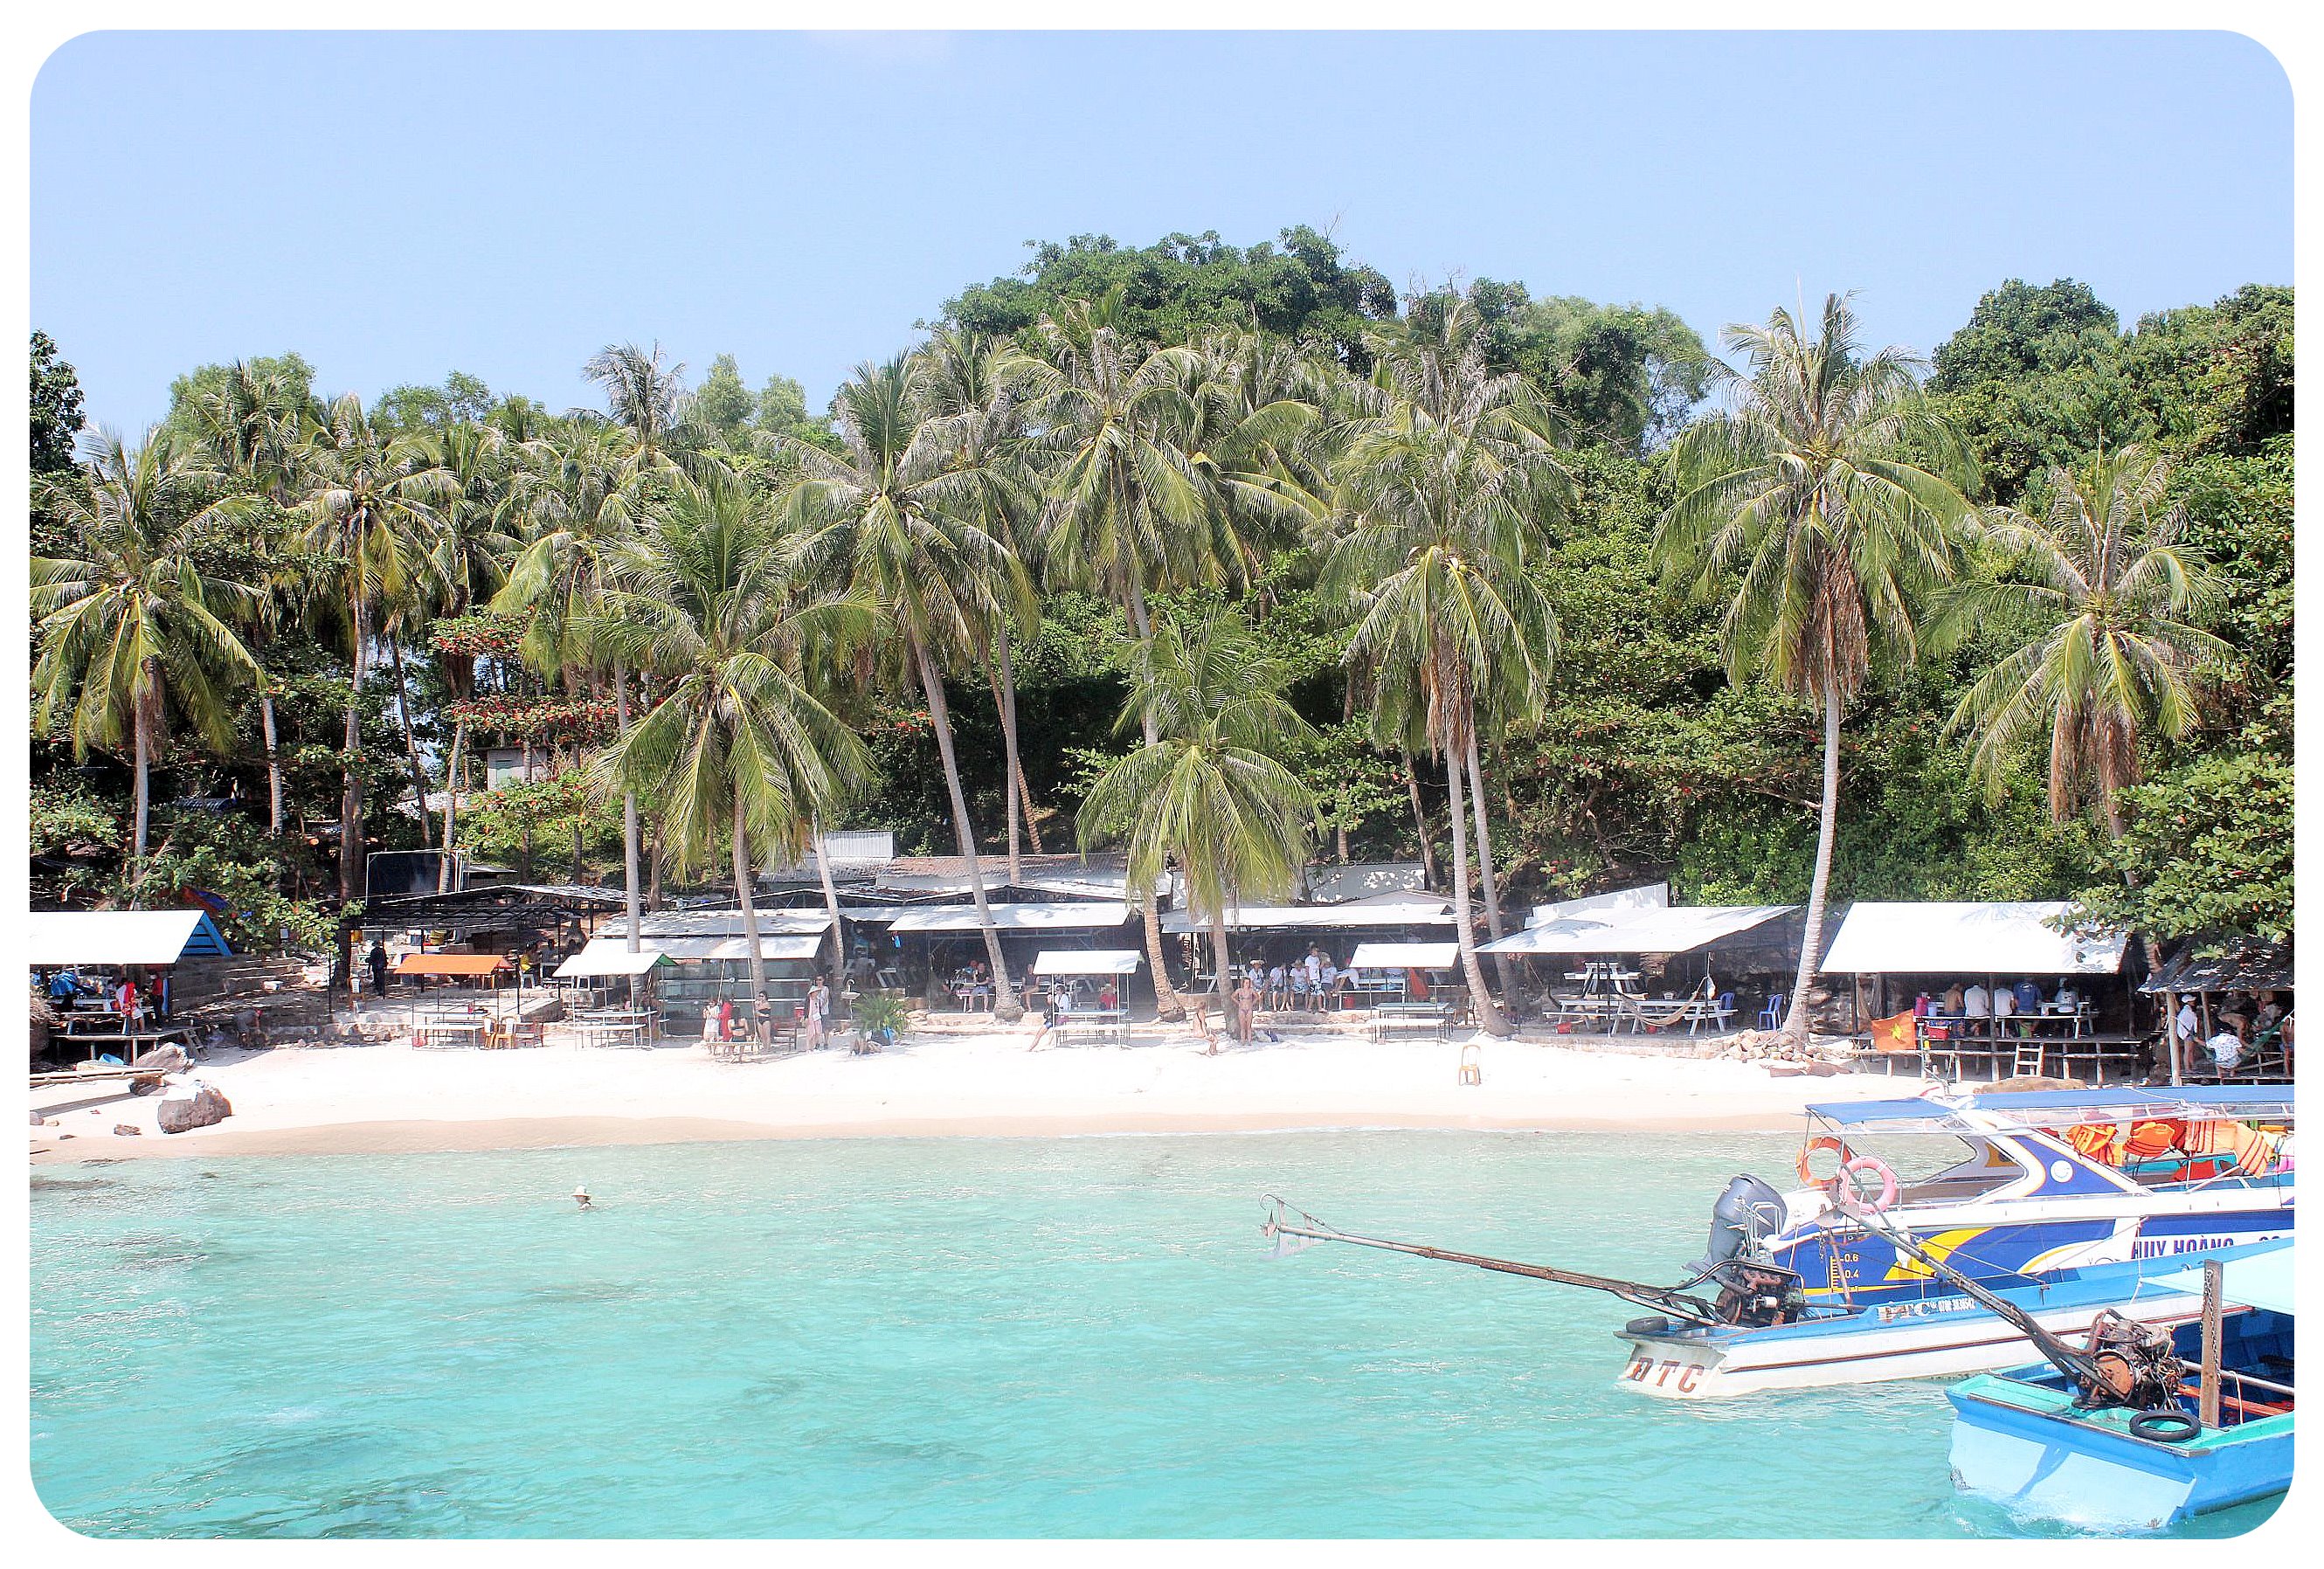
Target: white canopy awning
(1640,929)
(1649,896)
(1086,962)
(1013,917)
(122,937)
(693,950)
(610,957)
(1969,939)
(1367,912)
(1406,955)
(719,923)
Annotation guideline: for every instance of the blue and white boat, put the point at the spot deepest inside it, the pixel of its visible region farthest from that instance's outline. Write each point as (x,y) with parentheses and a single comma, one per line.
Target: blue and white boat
(2032,1441)
(1933,1336)
(2013,1187)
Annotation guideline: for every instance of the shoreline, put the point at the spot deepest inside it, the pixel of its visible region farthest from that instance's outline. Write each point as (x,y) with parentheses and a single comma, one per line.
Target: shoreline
(484,1135)
(961,1082)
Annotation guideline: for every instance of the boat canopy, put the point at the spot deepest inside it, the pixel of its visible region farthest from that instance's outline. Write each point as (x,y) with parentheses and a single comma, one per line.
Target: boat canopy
(2031,1108)
(2260,1274)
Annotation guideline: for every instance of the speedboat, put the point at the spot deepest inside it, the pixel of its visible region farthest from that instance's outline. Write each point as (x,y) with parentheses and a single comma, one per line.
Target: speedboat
(2128,1442)
(1922,1337)
(2013,1187)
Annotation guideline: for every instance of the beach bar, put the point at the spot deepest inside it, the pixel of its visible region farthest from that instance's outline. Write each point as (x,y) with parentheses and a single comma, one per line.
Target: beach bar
(1907,962)
(1600,934)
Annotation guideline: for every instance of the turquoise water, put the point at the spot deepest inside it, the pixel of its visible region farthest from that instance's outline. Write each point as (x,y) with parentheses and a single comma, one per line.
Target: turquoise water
(1059,1337)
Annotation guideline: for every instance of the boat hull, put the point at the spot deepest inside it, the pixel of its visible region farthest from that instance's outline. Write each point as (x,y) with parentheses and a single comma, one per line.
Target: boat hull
(2022,1446)
(1928,1337)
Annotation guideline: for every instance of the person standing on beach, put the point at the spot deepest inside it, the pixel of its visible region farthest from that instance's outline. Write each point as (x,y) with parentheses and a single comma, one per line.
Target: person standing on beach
(818,1009)
(377,960)
(1246,1005)
(1315,962)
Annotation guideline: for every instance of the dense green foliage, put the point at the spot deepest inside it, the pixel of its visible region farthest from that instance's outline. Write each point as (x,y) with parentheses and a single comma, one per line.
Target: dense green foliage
(1640,755)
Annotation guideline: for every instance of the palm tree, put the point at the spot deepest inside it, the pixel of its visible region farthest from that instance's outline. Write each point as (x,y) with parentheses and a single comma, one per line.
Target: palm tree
(900,512)
(2105,655)
(737,753)
(1444,484)
(249,423)
(370,503)
(968,392)
(134,625)
(1825,504)
(1138,503)
(1209,792)
(468,561)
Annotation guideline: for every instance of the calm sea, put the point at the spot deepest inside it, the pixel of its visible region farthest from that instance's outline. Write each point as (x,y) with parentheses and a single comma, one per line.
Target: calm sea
(1058,1337)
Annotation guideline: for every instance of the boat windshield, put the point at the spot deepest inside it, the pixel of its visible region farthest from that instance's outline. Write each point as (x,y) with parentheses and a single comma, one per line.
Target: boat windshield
(1932,1168)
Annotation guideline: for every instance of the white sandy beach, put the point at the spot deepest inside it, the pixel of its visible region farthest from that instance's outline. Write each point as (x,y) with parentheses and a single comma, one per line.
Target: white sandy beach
(956,1078)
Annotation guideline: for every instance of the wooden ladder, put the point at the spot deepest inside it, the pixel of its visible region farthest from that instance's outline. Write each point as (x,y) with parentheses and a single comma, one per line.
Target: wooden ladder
(2029,1057)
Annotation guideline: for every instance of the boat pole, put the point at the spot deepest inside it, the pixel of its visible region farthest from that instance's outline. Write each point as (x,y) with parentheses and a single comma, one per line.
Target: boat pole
(2208,1393)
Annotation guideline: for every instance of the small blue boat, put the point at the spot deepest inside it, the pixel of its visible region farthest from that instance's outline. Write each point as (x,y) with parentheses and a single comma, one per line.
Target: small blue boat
(2032,1440)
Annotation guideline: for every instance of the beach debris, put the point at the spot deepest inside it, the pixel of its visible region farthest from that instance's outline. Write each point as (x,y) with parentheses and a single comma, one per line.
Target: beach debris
(128,1130)
(203,1107)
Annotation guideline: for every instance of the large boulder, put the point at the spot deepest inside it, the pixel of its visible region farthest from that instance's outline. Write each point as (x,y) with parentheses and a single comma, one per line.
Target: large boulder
(165,1059)
(199,1110)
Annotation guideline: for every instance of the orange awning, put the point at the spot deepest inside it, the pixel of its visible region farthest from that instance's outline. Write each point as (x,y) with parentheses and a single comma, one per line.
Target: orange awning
(450,963)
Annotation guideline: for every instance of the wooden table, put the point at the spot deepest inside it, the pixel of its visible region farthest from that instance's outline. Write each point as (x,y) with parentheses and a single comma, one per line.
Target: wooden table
(453,1032)
(616,1027)
(1389,1016)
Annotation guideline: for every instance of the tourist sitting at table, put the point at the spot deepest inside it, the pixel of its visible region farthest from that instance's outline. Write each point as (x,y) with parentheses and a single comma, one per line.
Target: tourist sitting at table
(1108,996)
(1333,978)
(2028,996)
(2068,1000)
(1975,1002)
(2005,1006)
(1952,1007)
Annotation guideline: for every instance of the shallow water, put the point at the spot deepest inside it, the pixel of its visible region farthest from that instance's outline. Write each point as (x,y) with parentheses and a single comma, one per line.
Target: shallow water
(922,1337)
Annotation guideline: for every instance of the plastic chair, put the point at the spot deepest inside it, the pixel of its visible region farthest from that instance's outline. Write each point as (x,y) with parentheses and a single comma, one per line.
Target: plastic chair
(1772,1014)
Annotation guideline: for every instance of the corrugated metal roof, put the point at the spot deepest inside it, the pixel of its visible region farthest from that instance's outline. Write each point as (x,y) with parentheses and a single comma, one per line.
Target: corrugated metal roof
(1363,913)
(1969,939)
(1638,929)
(1008,918)
(122,937)
(1406,955)
(2242,965)
(1086,962)
(603,958)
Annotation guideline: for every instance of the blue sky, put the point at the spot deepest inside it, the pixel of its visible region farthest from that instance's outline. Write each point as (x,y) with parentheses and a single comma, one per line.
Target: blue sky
(394,206)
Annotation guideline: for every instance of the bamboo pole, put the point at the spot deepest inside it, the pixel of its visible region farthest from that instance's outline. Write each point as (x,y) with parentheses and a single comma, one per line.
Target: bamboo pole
(2207,1397)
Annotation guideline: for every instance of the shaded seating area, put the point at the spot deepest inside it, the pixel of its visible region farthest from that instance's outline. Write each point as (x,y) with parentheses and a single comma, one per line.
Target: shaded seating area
(599,1014)
(2002,990)
(81,958)
(1403,986)
(1611,939)
(1083,993)
(2239,991)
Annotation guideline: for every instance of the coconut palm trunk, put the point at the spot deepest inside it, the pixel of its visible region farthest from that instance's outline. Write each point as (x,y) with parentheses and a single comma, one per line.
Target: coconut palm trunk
(1485,867)
(629,813)
(1005,1006)
(273,759)
(762,1007)
(410,742)
(1795,1018)
(1222,955)
(1490,1016)
(1168,1005)
(1419,821)
(351,837)
(839,951)
(142,725)
(451,806)
(1004,703)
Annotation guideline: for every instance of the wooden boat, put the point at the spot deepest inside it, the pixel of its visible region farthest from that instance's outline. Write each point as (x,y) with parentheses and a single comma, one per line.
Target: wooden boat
(2041,1440)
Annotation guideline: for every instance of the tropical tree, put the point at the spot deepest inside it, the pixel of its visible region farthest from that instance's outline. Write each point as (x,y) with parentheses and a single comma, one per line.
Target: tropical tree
(1139,501)
(900,512)
(1825,505)
(968,393)
(737,754)
(1209,792)
(369,503)
(2096,599)
(1443,488)
(133,627)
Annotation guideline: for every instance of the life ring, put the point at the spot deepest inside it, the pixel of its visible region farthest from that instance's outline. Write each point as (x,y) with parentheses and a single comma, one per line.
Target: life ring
(1811,1147)
(2164,1424)
(1879,1168)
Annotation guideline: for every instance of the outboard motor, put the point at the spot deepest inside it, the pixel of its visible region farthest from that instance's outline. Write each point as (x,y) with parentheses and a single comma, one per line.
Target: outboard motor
(1752,1290)
(1750,1211)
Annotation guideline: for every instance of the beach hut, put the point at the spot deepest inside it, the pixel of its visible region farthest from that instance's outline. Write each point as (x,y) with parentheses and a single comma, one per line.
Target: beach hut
(1076,982)
(2216,975)
(146,945)
(943,942)
(710,958)
(1285,932)
(1384,972)
(1893,952)
(1604,933)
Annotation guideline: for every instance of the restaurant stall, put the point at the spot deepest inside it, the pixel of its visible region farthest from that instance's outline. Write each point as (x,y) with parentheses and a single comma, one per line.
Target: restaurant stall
(80,959)
(1622,946)
(1083,990)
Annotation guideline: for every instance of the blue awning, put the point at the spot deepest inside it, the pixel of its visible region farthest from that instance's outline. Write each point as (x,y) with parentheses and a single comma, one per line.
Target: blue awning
(2052,1108)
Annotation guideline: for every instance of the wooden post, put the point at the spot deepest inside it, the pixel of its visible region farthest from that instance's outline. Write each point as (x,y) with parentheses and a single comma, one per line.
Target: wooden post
(2207,1392)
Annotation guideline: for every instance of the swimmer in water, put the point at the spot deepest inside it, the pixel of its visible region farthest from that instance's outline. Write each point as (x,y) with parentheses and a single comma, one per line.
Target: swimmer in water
(581,1197)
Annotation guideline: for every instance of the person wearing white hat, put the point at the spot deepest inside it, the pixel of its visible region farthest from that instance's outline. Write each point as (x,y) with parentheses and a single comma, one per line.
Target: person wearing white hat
(581,1197)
